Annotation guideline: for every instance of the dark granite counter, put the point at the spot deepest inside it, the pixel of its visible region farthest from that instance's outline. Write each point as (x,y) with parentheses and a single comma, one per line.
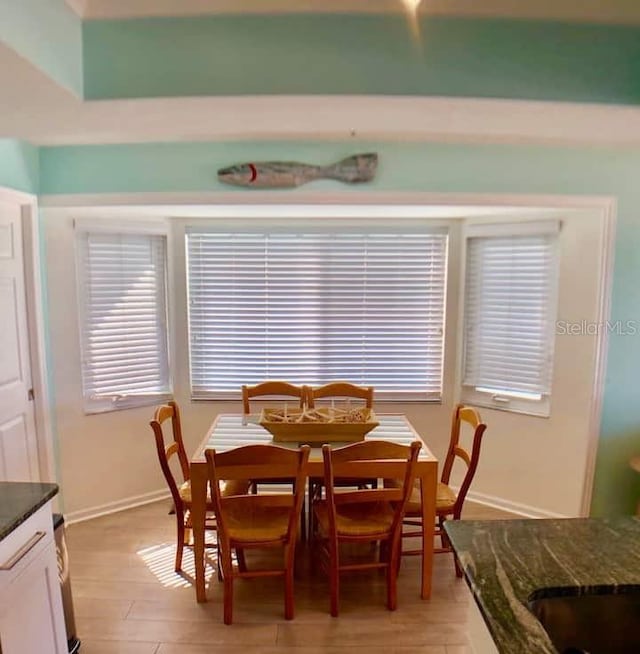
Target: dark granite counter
(19,500)
(507,561)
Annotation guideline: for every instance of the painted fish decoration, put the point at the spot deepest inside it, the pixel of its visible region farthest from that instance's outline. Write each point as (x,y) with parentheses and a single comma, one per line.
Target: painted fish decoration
(289,174)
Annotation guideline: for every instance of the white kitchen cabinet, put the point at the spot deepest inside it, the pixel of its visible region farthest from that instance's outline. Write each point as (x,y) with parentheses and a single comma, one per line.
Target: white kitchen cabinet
(31,613)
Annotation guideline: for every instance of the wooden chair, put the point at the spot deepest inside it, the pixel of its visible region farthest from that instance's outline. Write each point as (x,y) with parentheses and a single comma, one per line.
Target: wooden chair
(266,389)
(340,390)
(257,521)
(181,494)
(448,503)
(336,390)
(364,515)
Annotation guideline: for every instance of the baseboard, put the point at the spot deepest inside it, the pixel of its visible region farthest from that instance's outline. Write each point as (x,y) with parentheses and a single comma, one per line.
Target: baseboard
(523,510)
(114,507)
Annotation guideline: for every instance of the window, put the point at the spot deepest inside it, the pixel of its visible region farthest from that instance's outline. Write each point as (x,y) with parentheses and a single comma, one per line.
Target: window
(123,319)
(315,307)
(510,309)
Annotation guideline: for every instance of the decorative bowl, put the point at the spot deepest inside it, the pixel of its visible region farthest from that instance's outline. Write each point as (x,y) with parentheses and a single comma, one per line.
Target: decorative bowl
(322,425)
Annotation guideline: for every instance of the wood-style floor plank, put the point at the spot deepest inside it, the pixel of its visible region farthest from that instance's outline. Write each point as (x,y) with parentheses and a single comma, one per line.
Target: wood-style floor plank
(128,600)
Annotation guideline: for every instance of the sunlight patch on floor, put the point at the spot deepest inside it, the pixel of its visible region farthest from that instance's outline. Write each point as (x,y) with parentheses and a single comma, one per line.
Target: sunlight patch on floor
(160,560)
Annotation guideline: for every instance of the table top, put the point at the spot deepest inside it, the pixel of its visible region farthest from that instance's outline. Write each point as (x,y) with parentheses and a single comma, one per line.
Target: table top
(231,430)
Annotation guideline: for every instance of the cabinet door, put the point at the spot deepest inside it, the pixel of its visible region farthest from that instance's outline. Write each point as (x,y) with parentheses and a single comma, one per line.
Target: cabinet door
(31,615)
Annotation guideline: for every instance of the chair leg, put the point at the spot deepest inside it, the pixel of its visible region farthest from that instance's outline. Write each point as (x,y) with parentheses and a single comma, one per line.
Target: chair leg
(303,520)
(446,544)
(312,523)
(457,565)
(180,539)
(219,563)
(242,563)
(443,535)
(334,577)
(227,575)
(289,557)
(392,579)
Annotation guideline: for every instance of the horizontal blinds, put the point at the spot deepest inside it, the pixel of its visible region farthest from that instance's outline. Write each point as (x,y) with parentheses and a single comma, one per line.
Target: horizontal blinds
(124,324)
(510,309)
(311,308)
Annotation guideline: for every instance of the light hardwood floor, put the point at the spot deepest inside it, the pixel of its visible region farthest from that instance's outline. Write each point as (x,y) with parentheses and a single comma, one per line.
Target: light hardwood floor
(128,600)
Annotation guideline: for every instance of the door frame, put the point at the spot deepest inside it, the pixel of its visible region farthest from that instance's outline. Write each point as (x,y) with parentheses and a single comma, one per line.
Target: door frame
(35,302)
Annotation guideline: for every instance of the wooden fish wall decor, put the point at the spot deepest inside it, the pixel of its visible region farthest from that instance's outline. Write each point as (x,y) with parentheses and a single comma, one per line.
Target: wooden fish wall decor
(289,174)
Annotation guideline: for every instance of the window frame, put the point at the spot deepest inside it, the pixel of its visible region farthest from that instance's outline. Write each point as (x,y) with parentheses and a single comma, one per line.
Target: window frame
(514,401)
(132,227)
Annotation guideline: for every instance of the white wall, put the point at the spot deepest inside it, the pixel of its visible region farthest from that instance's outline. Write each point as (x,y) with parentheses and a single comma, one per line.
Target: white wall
(534,464)
(538,465)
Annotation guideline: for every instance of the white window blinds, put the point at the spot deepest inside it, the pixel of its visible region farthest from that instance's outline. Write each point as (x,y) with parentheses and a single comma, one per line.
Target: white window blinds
(315,307)
(510,310)
(123,309)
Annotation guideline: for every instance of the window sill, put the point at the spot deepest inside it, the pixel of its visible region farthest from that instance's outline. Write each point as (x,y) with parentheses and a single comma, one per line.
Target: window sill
(536,408)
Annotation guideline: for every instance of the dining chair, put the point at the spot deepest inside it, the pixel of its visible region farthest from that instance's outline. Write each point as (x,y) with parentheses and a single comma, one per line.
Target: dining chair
(181,494)
(263,520)
(449,503)
(341,390)
(271,389)
(364,515)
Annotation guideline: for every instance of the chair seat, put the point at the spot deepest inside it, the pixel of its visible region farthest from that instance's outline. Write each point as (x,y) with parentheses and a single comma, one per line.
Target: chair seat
(365,519)
(445,497)
(253,524)
(232,487)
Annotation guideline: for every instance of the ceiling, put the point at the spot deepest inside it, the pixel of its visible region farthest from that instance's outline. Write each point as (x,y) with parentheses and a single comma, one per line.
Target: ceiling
(40,111)
(597,11)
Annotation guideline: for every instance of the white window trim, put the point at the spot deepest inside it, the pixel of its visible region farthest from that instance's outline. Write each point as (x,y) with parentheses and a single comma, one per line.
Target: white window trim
(110,225)
(539,406)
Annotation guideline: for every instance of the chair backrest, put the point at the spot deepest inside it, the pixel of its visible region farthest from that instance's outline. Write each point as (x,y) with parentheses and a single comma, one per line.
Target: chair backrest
(163,414)
(340,389)
(265,462)
(469,416)
(370,460)
(271,389)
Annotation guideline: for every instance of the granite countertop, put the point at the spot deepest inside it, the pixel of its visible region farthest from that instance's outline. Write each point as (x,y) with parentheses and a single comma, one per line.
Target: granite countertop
(506,561)
(19,500)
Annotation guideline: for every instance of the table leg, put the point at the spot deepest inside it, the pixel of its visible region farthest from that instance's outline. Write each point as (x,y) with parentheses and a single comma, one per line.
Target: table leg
(428,487)
(198,516)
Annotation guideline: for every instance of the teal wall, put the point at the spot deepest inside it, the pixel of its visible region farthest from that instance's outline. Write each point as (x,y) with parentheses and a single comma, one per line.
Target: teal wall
(436,168)
(19,165)
(48,34)
(360,54)
(324,54)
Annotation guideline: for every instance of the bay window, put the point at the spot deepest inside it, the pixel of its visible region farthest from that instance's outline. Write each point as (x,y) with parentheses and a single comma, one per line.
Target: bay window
(315,306)
(510,308)
(123,317)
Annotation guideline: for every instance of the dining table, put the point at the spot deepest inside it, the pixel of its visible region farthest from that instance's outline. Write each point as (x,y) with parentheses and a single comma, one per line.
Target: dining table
(231,430)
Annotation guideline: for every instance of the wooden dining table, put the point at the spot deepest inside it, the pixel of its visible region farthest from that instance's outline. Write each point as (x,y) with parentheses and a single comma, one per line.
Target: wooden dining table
(234,430)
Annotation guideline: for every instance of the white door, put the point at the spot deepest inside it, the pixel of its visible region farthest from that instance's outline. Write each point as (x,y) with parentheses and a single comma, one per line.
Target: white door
(18,442)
